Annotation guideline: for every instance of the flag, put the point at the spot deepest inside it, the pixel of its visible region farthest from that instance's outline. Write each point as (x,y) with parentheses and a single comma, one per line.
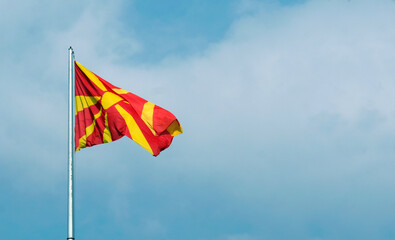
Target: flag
(105,113)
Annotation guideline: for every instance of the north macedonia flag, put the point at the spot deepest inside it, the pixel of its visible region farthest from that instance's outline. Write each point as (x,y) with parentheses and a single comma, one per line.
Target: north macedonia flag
(105,113)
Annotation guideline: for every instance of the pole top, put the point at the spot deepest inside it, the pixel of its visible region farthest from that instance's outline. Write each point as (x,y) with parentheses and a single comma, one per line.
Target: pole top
(72,50)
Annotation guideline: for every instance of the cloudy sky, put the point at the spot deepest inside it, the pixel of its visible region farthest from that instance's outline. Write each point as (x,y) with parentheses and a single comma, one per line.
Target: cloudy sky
(288,110)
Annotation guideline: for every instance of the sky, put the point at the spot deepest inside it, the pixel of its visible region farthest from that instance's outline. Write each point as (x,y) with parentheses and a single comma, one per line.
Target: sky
(287,108)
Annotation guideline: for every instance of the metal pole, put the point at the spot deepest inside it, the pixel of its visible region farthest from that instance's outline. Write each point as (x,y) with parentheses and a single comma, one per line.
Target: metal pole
(70,222)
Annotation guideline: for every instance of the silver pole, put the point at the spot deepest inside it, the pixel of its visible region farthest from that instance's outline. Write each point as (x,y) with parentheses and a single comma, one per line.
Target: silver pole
(70,223)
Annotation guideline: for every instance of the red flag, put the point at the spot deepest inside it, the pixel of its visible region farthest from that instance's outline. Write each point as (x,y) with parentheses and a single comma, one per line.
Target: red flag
(105,113)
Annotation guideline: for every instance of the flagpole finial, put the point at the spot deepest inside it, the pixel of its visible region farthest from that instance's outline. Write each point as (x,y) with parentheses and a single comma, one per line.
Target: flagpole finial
(72,50)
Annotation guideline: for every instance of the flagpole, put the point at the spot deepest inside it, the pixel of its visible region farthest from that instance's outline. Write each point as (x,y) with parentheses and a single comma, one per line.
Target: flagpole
(70,222)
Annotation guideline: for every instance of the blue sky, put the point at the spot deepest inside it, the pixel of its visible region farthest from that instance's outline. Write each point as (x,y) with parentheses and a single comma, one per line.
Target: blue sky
(287,108)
